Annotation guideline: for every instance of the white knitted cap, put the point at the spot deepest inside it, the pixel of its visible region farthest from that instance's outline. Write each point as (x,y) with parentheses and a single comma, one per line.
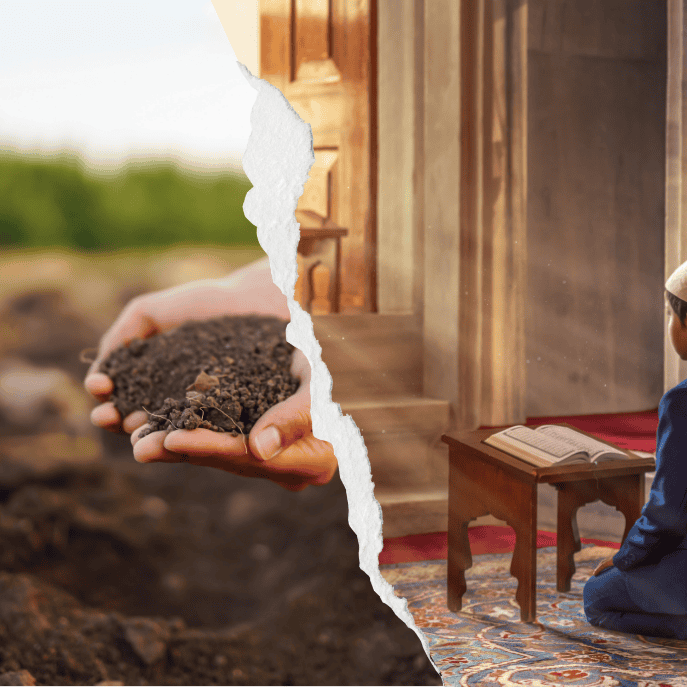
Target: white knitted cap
(677,282)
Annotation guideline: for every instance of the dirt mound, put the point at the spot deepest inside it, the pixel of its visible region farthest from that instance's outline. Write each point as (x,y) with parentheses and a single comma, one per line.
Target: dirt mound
(171,574)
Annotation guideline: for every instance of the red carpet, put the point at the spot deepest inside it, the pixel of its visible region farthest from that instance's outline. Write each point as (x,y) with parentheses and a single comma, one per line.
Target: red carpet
(483,539)
(632,431)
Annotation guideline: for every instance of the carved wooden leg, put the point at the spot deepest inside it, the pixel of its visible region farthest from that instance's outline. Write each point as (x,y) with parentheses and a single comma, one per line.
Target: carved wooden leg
(625,494)
(464,505)
(477,488)
(568,540)
(459,560)
(524,563)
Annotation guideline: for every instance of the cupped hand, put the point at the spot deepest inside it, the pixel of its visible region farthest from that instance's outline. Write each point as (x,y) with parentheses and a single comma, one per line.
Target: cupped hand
(137,320)
(248,290)
(605,564)
(281,446)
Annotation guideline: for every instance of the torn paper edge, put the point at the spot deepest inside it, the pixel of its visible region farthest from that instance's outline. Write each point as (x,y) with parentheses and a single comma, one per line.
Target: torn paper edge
(277,161)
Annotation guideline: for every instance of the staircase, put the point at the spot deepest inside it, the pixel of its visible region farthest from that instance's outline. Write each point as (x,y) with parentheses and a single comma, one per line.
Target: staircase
(376,366)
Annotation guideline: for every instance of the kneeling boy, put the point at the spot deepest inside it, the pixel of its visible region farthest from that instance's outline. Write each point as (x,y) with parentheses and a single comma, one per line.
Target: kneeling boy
(643,588)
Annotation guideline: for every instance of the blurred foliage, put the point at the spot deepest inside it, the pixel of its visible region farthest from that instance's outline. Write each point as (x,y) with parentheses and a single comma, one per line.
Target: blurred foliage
(57,201)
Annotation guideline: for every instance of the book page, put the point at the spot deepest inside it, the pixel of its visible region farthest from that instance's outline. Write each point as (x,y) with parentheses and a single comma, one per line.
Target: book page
(549,445)
(578,441)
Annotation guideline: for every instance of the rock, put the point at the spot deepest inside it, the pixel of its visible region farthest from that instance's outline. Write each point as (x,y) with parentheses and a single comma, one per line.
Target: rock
(220,661)
(34,398)
(18,677)
(154,507)
(147,638)
(44,456)
(45,328)
(21,605)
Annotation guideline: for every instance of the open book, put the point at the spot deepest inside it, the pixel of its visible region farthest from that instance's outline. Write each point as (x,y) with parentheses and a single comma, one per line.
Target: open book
(552,445)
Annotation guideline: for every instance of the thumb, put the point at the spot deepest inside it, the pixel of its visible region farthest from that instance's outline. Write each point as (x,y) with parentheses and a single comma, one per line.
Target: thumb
(282,425)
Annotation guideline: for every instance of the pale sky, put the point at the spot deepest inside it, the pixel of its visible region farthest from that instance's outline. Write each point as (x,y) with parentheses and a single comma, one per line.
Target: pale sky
(110,77)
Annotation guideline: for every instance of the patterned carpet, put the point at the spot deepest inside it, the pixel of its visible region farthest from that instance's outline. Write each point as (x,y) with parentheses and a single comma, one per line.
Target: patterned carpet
(486,644)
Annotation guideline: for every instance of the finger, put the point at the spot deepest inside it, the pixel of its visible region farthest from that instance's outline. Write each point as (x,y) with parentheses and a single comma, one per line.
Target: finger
(282,425)
(136,434)
(107,417)
(134,420)
(151,449)
(202,443)
(308,459)
(99,385)
(214,450)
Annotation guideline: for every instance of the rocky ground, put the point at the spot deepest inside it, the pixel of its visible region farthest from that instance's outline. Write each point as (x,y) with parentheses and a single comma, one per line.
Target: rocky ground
(113,572)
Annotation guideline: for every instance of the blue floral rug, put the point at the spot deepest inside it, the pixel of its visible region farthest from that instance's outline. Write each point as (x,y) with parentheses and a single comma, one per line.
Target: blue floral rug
(486,644)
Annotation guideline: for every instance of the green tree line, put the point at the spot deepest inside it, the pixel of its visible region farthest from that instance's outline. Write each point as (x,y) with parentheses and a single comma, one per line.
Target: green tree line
(58,201)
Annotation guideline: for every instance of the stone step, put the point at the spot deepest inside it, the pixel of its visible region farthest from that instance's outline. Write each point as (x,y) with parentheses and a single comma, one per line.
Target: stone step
(399,415)
(371,356)
(403,440)
(413,511)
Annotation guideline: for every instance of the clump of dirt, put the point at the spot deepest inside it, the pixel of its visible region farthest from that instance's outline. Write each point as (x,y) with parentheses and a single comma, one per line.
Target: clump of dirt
(221,374)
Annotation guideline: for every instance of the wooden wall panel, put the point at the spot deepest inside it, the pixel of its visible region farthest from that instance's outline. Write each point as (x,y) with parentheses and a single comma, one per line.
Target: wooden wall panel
(596,206)
(614,29)
(400,201)
(675,370)
(321,55)
(475,183)
(442,106)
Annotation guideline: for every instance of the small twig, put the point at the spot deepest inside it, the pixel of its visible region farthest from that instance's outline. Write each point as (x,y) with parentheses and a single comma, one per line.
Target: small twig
(160,416)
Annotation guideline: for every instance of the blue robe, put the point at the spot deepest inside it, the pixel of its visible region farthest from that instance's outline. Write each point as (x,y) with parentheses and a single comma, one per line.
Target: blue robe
(650,568)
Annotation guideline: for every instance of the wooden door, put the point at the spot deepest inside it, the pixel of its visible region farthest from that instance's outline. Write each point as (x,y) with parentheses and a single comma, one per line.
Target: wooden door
(320,54)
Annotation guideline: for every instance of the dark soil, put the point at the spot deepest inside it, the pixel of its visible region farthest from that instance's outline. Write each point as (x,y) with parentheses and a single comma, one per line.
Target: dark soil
(172,574)
(221,374)
(175,574)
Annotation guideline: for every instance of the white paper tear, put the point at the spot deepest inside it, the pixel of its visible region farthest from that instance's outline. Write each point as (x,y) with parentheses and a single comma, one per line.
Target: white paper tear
(277,161)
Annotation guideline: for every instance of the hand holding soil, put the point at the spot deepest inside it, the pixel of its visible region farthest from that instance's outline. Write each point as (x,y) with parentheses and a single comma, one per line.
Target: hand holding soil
(280,446)
(248,290)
